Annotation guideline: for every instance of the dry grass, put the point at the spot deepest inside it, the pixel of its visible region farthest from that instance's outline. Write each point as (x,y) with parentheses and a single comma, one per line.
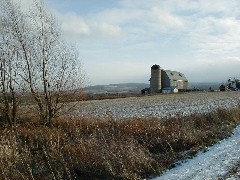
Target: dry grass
(107,149)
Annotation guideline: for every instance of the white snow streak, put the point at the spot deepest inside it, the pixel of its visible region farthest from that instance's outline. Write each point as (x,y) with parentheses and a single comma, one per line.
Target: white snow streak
(217,161)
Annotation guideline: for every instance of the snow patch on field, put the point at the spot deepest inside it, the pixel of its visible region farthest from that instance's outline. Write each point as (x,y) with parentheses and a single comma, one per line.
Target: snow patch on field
(216,162)
(158,105)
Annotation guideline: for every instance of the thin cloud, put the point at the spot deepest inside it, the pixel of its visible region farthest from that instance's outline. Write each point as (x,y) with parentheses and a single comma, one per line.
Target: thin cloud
(107,30)
(75,26)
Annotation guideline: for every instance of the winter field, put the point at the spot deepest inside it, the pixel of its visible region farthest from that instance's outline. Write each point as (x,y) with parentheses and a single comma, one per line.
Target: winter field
(128,138)
(216,162)
(158,105)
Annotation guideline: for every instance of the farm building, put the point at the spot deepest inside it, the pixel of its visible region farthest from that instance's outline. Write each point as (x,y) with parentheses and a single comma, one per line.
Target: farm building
(166,79)
(172,89)
(233,84)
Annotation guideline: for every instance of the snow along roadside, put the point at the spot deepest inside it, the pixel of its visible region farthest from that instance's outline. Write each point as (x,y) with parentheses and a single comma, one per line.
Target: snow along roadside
(216,162)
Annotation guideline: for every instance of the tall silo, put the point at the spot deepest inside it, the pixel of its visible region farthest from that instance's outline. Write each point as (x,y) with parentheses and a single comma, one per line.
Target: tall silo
(155,81)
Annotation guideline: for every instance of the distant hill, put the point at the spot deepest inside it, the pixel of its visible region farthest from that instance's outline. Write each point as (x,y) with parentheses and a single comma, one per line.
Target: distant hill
(117,88)
(203,85)
(137,87)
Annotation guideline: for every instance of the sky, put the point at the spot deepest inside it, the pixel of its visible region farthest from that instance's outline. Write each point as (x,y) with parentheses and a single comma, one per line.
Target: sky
(119,40)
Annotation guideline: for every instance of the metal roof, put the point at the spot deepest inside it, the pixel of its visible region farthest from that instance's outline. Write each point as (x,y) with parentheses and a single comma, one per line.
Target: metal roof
(174,75)
(155,67)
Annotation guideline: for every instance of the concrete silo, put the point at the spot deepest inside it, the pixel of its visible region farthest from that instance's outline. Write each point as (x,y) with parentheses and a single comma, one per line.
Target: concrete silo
(155,81)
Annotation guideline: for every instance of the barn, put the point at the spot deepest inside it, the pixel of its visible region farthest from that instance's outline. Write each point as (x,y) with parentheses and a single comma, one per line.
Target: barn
(172,89)
(165,79)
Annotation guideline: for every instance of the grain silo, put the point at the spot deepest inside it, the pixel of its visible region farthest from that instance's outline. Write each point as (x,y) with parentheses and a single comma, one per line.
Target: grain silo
(155,81)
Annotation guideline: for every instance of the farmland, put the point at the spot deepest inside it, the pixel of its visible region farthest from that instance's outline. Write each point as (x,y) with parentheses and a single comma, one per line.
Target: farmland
(128,138)
(158,105)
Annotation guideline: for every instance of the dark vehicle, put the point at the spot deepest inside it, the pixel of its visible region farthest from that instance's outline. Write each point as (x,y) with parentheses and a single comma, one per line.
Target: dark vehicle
(223,88)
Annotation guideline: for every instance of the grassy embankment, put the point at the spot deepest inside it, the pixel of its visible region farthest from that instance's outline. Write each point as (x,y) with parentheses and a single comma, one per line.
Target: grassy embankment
(107,149)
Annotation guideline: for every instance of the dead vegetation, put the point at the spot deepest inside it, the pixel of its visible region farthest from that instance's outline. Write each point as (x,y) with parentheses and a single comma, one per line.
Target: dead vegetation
(107,149)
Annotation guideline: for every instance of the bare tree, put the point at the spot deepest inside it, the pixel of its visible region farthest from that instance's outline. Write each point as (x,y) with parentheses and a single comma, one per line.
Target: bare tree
(8,93)
(8,70)
(49,66)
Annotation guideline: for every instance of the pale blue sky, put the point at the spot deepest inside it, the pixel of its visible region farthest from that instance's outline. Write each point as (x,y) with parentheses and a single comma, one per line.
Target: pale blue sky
(119,40)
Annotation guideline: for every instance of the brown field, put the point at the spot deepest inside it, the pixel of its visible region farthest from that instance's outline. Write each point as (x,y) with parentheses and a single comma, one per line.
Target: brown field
(133,148)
